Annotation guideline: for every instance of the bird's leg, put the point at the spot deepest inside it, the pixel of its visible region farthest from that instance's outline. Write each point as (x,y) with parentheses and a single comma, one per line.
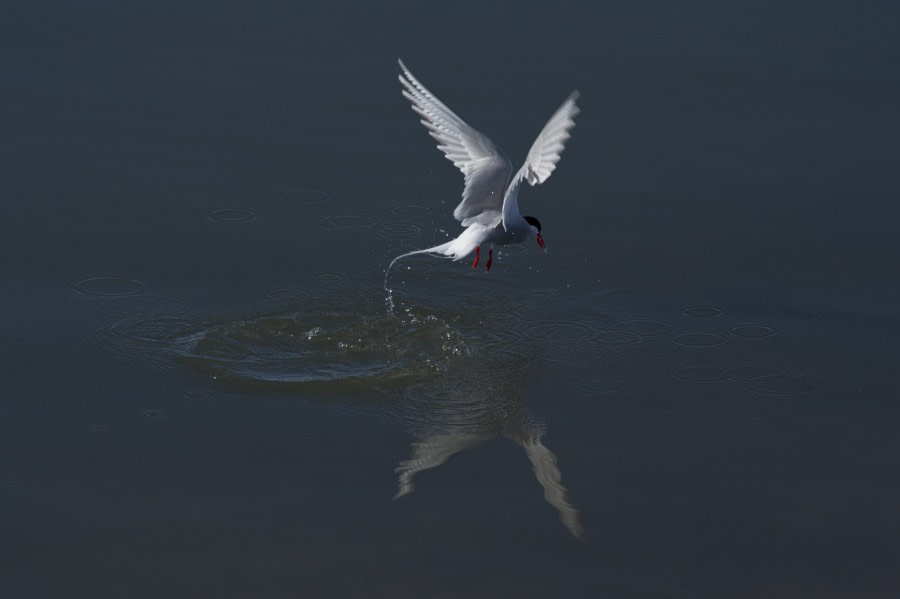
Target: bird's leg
(487,266)
(477,252)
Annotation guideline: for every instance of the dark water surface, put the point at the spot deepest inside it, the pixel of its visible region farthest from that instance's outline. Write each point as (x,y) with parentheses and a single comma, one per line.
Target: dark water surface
(693,394)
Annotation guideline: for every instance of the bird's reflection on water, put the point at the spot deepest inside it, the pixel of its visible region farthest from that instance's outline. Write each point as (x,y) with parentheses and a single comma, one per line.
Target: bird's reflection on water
(474,405)
(434,450)
(453,380)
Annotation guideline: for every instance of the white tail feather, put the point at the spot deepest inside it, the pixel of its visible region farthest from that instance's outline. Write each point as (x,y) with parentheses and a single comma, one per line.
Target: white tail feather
(438,249)
(457,249)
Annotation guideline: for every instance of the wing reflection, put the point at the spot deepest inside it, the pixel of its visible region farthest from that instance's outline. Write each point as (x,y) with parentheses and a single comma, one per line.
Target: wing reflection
(474,406)
(547,473)
(431,453)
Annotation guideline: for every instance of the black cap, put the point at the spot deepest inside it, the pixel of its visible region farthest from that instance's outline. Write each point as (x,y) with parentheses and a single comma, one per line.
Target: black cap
(534,222)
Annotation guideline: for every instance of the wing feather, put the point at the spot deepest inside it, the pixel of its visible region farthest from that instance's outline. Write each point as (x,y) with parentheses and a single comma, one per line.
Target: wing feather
(543,155)
(486,169)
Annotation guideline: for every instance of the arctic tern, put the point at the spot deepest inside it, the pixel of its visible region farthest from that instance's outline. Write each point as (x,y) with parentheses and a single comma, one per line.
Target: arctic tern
(489,209)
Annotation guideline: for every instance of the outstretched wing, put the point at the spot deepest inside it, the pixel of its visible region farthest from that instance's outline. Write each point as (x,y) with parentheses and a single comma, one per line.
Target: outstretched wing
(486,168)
(543,155)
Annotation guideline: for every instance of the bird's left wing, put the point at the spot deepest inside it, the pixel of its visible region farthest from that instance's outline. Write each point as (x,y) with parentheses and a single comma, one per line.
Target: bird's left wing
(543,155)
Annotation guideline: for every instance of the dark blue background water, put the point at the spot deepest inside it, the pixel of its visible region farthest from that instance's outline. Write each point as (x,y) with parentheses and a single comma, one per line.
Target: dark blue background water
(708,351)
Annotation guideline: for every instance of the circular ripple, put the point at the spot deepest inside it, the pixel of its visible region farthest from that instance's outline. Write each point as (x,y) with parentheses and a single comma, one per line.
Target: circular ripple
(329,277)
(701,373)
(602,344)
(231,214)
(647,327)
(542,295)
(397,230)
(699,339)
(151,330)
(562,331)
(416,265)
(289,293)
(748,372)
(146,305)
(780,384)
(197,394)
(573,352)
(153,414)
(305,196)
(616,338)
(347,222)
(512,359)
(108,285)
(592,387)
(792,314)
(410,210)
(703,311)
(100,428)
(753,331)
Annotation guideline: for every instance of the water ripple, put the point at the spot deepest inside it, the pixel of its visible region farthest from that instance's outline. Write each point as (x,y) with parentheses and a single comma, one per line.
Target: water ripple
(699,339)
(646,327)
(762,379)
(232,214)
(411,210)
(110,285)
(347,222)
(701,373)
(792,313)
(399,230)
(305,196)
(780,384)
(753,331)
(560,331)
(749,372)
(703,311)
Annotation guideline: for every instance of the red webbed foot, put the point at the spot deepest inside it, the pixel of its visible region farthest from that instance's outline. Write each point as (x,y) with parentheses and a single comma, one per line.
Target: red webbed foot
(490,261)
(477,253)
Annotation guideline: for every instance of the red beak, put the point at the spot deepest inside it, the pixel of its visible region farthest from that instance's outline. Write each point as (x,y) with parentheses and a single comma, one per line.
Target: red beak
(540,241)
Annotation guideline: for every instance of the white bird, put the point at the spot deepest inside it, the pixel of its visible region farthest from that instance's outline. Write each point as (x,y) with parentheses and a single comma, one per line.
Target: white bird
(489,209)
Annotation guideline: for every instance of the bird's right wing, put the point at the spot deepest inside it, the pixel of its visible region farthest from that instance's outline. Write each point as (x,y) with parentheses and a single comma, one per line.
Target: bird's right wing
(487,170)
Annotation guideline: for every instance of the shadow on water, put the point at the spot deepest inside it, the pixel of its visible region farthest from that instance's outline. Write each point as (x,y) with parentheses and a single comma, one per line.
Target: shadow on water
(454,381)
